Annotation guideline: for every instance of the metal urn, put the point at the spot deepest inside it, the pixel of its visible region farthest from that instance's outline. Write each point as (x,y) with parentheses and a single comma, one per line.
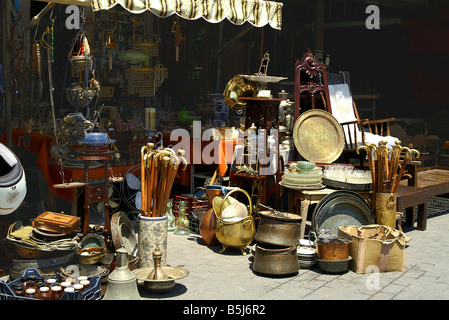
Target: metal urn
(122,283)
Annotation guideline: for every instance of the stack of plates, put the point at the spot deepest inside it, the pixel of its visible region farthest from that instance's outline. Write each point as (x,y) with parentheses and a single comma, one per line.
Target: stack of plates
(307,256)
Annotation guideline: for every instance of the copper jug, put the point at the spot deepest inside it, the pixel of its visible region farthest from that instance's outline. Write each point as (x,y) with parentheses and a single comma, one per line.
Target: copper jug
(209,221)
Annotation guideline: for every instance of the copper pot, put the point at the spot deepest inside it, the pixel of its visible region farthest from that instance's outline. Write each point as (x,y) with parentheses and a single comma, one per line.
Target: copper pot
(275,260)
(337,249)
(279,229)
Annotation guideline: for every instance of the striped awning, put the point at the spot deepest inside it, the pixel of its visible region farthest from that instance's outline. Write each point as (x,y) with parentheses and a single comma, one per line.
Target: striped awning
(257,12)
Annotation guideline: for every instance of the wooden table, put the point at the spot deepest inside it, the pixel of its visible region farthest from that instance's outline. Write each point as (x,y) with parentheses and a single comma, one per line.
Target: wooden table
(308,197)
(408,198)
(436,181)
(257,181)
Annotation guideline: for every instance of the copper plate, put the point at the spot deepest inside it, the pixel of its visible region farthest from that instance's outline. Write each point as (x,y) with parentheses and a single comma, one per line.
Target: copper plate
(318,136)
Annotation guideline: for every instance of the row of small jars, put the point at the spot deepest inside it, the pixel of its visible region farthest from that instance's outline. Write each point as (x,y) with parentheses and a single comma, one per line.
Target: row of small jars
(50,289)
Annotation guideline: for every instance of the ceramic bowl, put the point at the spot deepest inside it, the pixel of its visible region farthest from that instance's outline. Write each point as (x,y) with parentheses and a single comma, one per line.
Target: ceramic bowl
(219,206)
(235,210)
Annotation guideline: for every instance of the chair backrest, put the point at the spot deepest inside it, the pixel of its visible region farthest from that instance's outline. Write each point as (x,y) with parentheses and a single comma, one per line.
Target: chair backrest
(343,110)
(310,79)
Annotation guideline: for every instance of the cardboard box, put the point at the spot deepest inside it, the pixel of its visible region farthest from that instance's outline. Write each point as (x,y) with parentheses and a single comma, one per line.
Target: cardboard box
(375,248)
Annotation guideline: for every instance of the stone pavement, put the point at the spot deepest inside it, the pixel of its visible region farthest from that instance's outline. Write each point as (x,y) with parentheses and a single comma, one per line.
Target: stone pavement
(229,276)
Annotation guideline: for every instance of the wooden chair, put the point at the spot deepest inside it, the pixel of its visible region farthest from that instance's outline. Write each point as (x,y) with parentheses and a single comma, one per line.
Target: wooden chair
(310,79)
(316,88)
(357,131)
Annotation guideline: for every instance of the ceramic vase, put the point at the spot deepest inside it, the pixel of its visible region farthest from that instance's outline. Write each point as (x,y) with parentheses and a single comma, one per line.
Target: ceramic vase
(152,232)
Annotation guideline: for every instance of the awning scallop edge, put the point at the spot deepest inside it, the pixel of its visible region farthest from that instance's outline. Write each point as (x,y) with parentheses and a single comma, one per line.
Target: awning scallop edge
(257,12)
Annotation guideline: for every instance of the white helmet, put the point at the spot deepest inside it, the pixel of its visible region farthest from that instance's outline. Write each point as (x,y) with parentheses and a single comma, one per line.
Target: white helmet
(13,186)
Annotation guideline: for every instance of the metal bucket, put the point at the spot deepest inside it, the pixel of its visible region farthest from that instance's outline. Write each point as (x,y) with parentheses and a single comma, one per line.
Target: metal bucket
(278,230)
(275,260)
(237,234)
(385,209)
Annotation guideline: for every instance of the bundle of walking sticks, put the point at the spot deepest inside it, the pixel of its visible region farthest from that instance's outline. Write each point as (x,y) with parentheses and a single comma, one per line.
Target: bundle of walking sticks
(387,167)
(158,168)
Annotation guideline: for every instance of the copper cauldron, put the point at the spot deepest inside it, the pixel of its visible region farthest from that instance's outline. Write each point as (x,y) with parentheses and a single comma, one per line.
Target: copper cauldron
(278,228)
(274,260)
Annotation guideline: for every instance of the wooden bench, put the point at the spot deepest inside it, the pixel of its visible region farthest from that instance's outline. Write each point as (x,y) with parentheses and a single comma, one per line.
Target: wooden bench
(408,199)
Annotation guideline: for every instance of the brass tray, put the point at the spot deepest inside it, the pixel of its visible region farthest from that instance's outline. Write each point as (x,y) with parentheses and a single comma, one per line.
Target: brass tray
(318,136)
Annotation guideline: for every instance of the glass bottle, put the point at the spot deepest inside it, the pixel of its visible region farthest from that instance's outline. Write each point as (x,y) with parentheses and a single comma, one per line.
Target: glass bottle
(170,217)
(182,224)
(56,292)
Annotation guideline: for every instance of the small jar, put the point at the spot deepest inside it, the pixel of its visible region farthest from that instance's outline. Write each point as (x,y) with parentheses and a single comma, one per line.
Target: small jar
(78,287)
(81,278)
(56,292)
(51,282)
(85,283)
(40,285)
(30,284)
(30,293)
(69,290)
(44,293)
(18,290)
(66,284)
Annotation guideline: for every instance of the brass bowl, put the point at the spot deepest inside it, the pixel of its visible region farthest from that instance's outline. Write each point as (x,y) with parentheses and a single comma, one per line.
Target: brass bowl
(95,255)
(160,286)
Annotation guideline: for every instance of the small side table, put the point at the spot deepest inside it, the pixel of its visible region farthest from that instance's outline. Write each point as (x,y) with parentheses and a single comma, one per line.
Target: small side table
(96,192)
(408,198)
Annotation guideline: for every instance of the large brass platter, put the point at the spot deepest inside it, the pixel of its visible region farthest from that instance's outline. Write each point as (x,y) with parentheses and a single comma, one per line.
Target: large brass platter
(318,136)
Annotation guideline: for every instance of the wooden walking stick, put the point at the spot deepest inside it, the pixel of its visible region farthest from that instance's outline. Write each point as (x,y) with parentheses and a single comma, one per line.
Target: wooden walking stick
(370,148)
(401,172)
